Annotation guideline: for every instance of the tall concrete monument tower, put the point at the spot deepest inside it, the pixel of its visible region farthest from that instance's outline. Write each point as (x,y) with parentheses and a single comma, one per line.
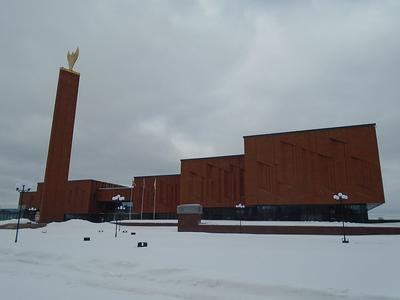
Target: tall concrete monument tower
(55,188)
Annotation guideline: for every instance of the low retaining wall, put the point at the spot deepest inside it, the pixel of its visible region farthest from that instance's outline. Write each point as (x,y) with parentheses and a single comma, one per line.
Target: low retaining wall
(189,222)
(22,226)
(312,230)
(146,224)
(192,223)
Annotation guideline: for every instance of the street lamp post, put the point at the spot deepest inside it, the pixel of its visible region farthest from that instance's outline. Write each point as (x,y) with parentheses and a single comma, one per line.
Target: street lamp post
(241,208)
(131,201)
(118,198)
(31,213)
(120,209)
(21,191)
(340,197)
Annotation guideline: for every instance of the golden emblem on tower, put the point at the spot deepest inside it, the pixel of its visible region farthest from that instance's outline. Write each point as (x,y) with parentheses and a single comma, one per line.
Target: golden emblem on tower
(72,58)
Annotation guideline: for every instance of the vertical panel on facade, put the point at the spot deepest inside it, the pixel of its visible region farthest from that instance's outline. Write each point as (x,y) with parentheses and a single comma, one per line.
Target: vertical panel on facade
(213,181)
(156,193)
(307,167)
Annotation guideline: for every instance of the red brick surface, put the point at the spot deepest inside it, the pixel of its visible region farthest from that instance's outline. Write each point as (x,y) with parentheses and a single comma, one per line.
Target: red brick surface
(166,191)
(213,182)
(55,190)
(188,222)
(106,194)
(307,167)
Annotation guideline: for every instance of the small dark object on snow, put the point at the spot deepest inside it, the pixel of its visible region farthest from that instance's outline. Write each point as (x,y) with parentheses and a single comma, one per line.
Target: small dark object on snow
(86,238)
(101,230)
(142,244)
(124,231)
(133,233)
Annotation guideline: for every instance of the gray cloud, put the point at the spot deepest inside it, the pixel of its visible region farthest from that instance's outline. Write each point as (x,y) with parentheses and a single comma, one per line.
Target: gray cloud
(165,80)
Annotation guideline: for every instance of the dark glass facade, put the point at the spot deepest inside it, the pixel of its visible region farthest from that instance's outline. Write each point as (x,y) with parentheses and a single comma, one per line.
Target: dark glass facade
(351,213)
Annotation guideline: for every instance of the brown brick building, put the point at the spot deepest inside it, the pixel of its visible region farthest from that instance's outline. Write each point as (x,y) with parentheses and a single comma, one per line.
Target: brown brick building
(281,176)
(156,195)
(293,175)
(308,166)
(290,176)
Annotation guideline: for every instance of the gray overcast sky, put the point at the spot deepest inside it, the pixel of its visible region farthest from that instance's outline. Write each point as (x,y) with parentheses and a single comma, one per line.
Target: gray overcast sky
(165,80)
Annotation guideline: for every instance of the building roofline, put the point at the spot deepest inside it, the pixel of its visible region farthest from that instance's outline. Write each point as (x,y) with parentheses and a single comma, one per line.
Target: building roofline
(94,180)
(212,157)
(116,188)
(159,175)
(75,180)
(117,185)
(308,130)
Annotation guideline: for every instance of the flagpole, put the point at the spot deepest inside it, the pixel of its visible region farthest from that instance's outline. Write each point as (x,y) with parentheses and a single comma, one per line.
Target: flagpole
(141,210)
(131,208)
(154,200)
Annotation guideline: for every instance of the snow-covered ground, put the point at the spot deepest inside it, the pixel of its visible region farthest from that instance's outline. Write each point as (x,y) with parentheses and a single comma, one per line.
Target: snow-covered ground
(55,263)
(14,221)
